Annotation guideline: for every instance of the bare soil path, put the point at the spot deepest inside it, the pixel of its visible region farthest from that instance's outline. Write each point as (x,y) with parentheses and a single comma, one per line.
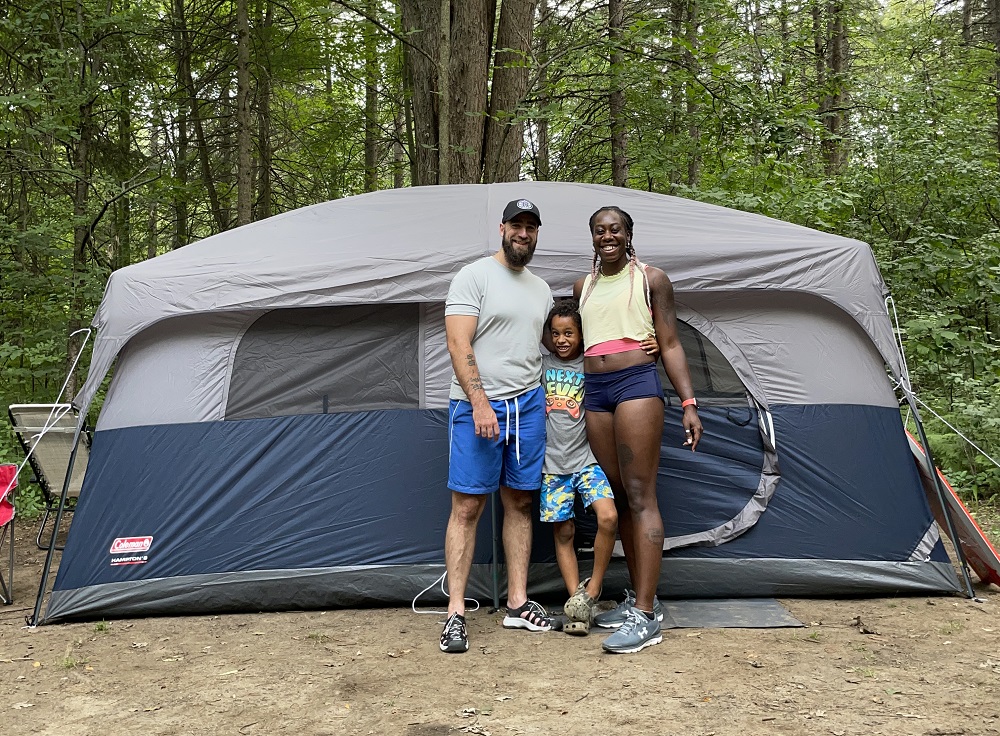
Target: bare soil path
(915,665)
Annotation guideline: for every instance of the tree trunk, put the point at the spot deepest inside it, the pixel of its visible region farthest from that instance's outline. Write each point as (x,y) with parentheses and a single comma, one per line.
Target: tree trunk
(371,100)
(122,255)
(265,148)
(819,60)
(221,219)
(470,68)
(444,95)
(244,131)
(837,80)
(543,170)
(406,80)
(421,27)
(181,226)
(152,213)
(504,130)
(692,106)
(616,100)
(81,192)
(994,25)
(466,77)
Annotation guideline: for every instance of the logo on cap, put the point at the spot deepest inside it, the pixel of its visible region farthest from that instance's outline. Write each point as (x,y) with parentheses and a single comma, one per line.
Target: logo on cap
(525,204)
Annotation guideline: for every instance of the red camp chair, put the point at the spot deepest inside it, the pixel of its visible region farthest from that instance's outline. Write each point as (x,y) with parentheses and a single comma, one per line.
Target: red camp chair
(8,481)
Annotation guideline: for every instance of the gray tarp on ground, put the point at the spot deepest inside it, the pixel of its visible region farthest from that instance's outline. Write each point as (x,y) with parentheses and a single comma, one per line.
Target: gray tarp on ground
(404,246)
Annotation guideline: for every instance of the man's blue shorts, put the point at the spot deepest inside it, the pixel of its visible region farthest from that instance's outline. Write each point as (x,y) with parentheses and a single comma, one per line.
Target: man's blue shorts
(514,460)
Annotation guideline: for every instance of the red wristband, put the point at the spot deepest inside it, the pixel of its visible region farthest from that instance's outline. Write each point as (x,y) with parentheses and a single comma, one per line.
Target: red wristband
(689,402)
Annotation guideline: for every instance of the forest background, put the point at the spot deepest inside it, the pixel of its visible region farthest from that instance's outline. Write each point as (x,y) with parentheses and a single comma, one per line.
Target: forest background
(133,127)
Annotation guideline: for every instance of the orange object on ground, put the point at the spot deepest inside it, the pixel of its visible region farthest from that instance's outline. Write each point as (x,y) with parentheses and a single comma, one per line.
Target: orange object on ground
(980,554)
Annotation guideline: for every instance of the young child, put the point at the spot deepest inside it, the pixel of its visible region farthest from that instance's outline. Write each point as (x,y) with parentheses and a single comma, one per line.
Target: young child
(570,467)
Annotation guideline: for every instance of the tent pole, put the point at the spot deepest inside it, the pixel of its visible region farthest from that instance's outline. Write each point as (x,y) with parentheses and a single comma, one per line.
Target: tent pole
(33,620)
(495,567)
(939,487)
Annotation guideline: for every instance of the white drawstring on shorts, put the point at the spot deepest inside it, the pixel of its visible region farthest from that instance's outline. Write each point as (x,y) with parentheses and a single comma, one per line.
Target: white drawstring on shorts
(517,427)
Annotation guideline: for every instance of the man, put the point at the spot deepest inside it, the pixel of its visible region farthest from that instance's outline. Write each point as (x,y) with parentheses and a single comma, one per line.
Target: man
(494,317)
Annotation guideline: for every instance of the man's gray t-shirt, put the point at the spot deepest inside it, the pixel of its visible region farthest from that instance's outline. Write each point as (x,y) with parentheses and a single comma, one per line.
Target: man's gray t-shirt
(566,447)
(511,307)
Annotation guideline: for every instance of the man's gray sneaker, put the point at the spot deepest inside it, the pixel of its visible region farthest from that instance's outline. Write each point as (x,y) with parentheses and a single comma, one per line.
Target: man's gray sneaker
(454,638)
(636,633)
(616,616)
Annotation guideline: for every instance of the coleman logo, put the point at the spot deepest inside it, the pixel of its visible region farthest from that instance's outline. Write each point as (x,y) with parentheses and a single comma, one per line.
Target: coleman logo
(130,545)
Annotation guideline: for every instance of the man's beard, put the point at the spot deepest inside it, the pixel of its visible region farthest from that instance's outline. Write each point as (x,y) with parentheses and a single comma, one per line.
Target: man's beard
(516,258)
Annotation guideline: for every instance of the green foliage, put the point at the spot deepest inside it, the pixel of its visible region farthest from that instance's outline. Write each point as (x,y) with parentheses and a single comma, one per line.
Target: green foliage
(119,129)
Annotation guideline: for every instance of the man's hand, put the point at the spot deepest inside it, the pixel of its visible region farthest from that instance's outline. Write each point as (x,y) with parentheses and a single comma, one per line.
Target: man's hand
(485,420)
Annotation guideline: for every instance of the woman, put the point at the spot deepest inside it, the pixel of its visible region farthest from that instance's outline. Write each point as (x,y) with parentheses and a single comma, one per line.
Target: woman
(623,301)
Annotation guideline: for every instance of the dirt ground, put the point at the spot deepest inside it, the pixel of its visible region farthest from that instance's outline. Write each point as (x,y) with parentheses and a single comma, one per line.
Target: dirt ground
(914,665)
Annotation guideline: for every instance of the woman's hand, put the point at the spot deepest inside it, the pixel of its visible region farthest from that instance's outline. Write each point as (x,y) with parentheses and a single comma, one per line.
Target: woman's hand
(692,427)
(650,346)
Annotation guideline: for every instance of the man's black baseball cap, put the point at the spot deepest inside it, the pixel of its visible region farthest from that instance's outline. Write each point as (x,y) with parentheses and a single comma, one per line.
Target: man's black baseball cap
(517,206)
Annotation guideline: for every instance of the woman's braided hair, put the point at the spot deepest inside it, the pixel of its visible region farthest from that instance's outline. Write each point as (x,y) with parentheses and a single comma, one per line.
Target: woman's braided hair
(633,261)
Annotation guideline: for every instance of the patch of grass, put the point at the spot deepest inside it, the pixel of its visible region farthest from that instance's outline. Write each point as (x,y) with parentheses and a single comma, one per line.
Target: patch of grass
(866,672)
(318,636)
(102,627)
(952,627)
(70,661)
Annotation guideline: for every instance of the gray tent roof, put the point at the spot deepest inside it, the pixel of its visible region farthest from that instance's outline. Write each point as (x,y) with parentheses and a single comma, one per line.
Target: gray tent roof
(404,245)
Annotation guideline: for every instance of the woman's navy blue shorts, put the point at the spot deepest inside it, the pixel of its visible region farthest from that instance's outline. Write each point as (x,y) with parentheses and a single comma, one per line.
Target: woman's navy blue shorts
(605,391)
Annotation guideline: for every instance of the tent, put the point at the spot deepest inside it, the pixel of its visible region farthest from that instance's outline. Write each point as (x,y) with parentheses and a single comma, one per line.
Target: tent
(274,434)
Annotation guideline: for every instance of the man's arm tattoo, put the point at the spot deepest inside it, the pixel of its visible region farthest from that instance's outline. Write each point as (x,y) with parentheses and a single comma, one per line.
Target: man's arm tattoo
(470,359)
(475,384)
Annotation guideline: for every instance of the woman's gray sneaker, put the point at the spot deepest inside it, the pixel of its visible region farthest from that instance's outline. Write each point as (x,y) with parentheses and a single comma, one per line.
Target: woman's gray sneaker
(616,616)
(636,633)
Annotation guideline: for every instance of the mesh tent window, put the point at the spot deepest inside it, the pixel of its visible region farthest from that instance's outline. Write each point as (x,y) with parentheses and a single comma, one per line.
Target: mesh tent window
(712,376)
(322,360)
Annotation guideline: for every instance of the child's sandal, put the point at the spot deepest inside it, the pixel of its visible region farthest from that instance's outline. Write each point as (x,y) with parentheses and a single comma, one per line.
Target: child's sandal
(580,606)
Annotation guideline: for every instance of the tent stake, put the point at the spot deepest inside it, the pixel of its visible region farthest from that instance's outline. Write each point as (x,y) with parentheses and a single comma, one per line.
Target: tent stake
(938,486)
(33,620)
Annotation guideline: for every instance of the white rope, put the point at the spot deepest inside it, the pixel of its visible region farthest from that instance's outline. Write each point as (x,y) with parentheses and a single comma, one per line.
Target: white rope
(413,603)
(956,431)
(57,412)
(904,379)
(904,383)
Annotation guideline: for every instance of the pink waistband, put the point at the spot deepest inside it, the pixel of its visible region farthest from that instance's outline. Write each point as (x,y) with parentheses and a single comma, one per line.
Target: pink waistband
(622,345)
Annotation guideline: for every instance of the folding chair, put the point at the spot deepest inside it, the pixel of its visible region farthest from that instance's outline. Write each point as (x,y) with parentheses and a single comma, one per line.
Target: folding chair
(45,432)
(8,481)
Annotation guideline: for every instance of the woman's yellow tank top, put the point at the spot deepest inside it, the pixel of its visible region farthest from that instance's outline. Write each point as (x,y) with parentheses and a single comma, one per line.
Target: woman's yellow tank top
(617,308)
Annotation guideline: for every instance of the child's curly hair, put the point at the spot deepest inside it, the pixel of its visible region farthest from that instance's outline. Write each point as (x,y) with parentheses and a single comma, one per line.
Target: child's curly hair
(565,308)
